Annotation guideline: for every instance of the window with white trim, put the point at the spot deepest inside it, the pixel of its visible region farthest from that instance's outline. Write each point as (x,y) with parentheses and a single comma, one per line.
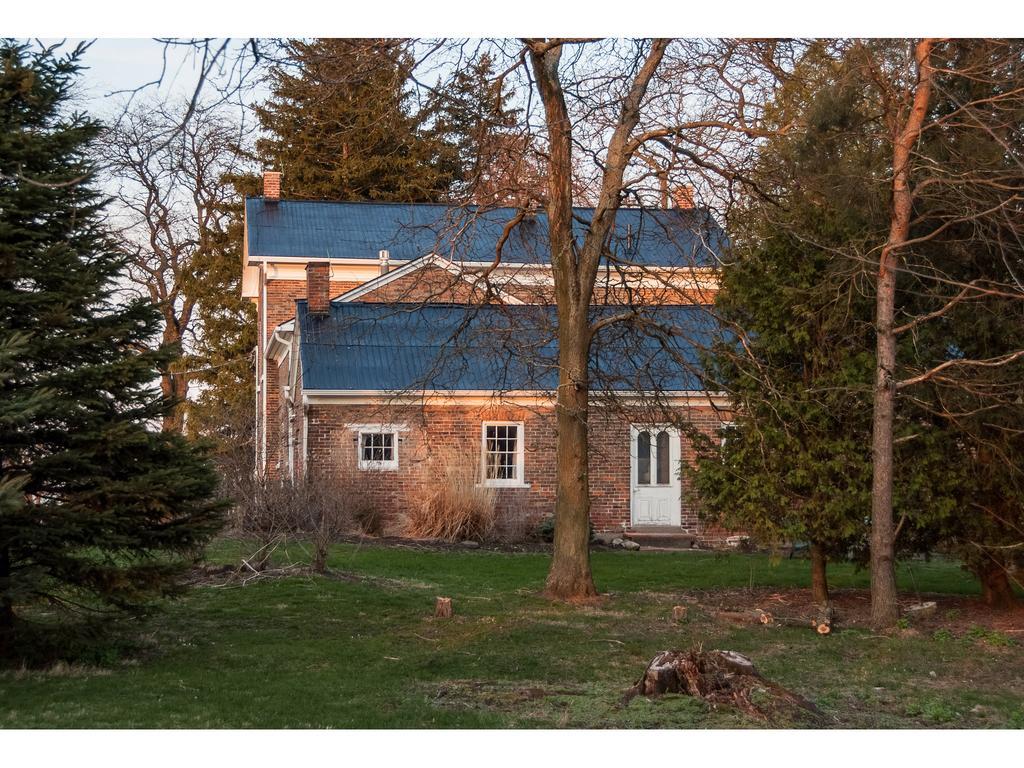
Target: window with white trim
(378,449)
(727,431)
(502,453)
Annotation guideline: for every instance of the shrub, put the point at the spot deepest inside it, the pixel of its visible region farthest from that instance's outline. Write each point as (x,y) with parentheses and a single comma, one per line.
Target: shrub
(511,528)
(545,530)
(317,508)
(455,506)
(370,519)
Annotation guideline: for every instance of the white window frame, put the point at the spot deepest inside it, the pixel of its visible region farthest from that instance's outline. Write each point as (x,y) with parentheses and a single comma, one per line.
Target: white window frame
(519,481)
(723,432)
(389,465)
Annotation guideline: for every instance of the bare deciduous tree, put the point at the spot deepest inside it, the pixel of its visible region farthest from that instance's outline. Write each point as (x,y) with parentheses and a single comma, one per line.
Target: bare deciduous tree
(938,99)
(171,200)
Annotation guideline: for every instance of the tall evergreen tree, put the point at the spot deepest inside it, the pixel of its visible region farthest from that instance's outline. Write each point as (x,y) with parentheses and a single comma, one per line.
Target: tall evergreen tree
(98,507)
(977,416)
(471,117)
(223,409)
(340,125)
(797,465)
(794,465)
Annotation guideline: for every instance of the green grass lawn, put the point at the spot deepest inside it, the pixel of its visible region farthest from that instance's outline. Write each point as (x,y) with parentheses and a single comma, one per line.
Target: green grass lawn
(365,651)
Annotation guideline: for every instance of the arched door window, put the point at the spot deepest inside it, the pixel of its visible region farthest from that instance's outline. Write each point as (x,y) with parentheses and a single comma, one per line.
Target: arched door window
(643,458)
(664,456)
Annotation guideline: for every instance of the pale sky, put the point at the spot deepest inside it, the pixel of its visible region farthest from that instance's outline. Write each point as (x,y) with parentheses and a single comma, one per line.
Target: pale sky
(115,65)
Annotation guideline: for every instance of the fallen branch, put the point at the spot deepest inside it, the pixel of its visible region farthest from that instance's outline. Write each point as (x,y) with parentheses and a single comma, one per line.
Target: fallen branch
(822,623)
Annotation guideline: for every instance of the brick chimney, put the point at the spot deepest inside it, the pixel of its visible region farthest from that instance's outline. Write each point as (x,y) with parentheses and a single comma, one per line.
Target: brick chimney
(683,197)
(318,287)
(272,185)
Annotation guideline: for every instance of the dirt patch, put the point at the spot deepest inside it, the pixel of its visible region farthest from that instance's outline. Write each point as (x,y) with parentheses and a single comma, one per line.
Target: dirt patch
(502,696)
(59,669)
(956,614)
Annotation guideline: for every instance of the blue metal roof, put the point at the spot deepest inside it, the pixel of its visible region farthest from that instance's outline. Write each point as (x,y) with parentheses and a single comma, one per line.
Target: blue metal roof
(406,347)
(675,237)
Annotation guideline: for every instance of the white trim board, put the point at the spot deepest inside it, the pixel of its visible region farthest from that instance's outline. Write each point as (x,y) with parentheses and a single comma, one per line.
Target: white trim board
(430,260)
(486,397)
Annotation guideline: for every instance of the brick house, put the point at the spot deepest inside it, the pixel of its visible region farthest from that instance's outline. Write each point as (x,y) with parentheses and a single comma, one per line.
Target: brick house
(391,336)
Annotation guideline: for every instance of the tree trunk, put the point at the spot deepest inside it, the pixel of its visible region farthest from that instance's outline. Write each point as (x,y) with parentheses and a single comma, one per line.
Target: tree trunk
(570,577)
(995,586)
(819,577)
(884,606)
(173,384)
(721,677)
(174,387)
(574,269)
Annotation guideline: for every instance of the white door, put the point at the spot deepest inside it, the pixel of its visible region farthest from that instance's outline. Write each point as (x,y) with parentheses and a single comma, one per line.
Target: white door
(656,491)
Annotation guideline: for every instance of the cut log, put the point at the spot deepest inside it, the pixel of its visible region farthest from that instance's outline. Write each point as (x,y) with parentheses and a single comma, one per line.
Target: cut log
(822,623)
(443,608)
(678,612)
(740,617)
(920,610)
(764,618)
(756,616)
(718,677)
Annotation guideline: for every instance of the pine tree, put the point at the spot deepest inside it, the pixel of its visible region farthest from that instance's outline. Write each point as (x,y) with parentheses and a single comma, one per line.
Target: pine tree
(223,410)
(470,116)
(793,466)
(797,464)
(340,125)
(977,419)
(98,508)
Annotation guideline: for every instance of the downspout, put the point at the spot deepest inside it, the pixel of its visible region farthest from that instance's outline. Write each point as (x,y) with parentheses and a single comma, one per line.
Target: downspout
(263,368)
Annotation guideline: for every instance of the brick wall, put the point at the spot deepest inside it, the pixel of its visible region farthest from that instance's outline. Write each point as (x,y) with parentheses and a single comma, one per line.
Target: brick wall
(434,431)
(617,295)
(436,285)
(277,414)
(429,284)
(280,296)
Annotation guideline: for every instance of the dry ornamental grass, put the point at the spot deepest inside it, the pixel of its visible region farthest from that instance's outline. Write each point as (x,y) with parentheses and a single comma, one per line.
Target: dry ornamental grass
(456,505)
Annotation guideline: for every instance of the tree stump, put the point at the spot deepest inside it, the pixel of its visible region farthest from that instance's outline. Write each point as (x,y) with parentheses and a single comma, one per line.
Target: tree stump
(678,612)
(719,677)
(443,608)
(823,621)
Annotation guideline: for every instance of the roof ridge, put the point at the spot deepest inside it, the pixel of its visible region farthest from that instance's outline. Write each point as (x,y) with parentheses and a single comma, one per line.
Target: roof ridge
(481,208)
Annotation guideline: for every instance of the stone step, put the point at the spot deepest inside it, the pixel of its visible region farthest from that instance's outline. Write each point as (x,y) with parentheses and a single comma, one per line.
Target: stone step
(661,537)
